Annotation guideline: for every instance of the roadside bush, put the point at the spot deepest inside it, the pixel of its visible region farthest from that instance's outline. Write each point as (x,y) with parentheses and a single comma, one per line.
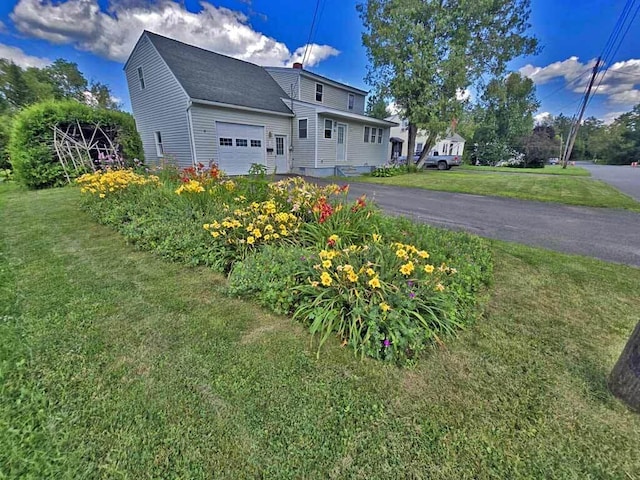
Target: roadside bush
(31,150)
(389,170)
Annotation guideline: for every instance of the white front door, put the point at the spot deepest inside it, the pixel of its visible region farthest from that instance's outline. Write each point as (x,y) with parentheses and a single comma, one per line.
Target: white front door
(282,164)
(341,144)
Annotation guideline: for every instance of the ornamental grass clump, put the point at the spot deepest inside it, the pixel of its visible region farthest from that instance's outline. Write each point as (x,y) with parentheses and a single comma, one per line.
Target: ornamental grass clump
(103,183)
(384,299)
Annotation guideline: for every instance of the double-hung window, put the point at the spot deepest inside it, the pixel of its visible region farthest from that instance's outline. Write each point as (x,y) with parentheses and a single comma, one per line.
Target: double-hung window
(141,78)
(328,128)
(319,92)
(159,146)
(302,128)
(366,134)
(351,101)
(373,135)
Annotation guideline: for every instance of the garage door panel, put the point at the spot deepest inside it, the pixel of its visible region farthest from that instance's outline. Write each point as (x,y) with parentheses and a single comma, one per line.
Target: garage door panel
(239,146)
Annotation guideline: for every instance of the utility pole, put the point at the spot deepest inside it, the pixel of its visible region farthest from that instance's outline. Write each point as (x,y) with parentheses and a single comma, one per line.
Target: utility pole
(574,130)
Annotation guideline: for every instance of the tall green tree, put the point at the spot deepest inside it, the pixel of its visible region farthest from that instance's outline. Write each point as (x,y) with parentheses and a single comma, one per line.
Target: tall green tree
(506,110)
(67,80)
(377,107)
(423,53)
(13,85)
(61,80)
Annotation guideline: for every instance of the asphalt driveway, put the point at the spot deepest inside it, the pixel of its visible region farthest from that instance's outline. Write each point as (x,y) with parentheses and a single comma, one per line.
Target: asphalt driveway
(608,234)
(623,177)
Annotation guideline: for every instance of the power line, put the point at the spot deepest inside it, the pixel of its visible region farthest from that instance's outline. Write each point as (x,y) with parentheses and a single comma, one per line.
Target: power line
(313,22)
(610,50)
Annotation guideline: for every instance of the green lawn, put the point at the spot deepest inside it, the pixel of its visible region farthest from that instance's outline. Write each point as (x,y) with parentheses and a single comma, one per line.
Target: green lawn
(570,190)
(117,364)
(547,170)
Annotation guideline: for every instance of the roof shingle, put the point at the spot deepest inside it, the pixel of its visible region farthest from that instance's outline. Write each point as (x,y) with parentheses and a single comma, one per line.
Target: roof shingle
(213,77)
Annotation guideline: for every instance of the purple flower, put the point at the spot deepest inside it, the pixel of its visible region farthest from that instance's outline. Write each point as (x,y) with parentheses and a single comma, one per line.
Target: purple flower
(386,343)
(410,283)
(412,295)
(303,258)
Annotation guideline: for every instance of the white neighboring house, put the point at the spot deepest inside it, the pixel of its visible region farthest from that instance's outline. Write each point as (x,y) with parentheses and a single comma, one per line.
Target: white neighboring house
(452,144)
(197,106)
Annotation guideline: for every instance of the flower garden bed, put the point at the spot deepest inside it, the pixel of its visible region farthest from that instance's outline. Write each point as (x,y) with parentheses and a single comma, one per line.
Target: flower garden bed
(386,287)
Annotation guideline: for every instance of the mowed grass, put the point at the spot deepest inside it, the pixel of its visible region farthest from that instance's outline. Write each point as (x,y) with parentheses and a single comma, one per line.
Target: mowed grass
(566,189)
(547,170)
(117,364)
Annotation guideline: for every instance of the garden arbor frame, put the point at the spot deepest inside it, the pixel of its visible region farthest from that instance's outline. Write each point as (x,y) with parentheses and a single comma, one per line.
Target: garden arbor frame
(81,146)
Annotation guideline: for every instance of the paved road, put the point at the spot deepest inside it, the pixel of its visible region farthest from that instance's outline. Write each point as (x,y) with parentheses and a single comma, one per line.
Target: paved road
(623,177)
(607,234)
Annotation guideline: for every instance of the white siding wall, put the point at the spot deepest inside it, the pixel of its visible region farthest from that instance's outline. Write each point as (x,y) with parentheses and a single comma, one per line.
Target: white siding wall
(359,153)
(304,150)
(206,138)
(161,106)
(327,146)
(285,79)
(332,97)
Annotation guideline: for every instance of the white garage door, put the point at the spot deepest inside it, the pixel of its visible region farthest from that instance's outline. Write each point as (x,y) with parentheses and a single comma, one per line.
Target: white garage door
(239,146)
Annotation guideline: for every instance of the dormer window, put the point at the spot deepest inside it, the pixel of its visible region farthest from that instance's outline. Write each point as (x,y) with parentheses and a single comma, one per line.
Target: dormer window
(141,78)
(351,101)
(319,92)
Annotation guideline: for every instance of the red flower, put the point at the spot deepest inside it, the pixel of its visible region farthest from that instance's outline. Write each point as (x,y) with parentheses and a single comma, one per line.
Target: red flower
(360,204)
(323,208)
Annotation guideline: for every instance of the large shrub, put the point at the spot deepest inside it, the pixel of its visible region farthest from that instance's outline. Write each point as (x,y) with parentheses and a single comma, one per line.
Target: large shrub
(5,128)
(31,149)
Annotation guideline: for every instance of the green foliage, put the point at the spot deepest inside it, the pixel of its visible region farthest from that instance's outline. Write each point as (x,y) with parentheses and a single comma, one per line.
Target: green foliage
(271,250)
(31,148)
(118,364)
(5,130)
(377,107)
(539,146)
(504,116)
(386,300)
(389,170)
(270,275)
(61,80)
(422,54)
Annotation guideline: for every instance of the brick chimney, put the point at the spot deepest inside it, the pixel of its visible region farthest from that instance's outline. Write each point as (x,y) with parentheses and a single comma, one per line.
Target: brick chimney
(297,66)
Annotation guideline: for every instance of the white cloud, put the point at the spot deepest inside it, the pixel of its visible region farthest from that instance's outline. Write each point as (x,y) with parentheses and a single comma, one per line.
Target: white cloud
(113,33)
(463,95)
(19,57)
(569,69)
(3,27)
(608,118)
(542,117)
(619,83)
(315,54)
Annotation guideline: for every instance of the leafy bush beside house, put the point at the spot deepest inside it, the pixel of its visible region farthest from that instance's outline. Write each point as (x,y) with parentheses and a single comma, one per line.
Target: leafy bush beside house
(31,149)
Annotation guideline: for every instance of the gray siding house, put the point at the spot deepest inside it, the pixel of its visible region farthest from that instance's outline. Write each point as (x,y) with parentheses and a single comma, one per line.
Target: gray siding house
(195,106)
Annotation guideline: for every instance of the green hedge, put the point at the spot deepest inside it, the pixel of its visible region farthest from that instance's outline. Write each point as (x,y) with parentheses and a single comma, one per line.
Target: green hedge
(31,150)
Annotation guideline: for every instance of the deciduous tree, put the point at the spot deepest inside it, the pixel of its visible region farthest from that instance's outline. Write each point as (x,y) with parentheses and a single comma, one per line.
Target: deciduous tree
(423,53)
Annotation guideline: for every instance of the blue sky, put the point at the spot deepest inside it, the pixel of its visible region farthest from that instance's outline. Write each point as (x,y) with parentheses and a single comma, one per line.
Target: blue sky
(99,34)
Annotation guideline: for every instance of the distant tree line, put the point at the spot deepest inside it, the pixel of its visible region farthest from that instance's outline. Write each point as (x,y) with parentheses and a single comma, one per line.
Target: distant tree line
(61,80)
(616,144)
